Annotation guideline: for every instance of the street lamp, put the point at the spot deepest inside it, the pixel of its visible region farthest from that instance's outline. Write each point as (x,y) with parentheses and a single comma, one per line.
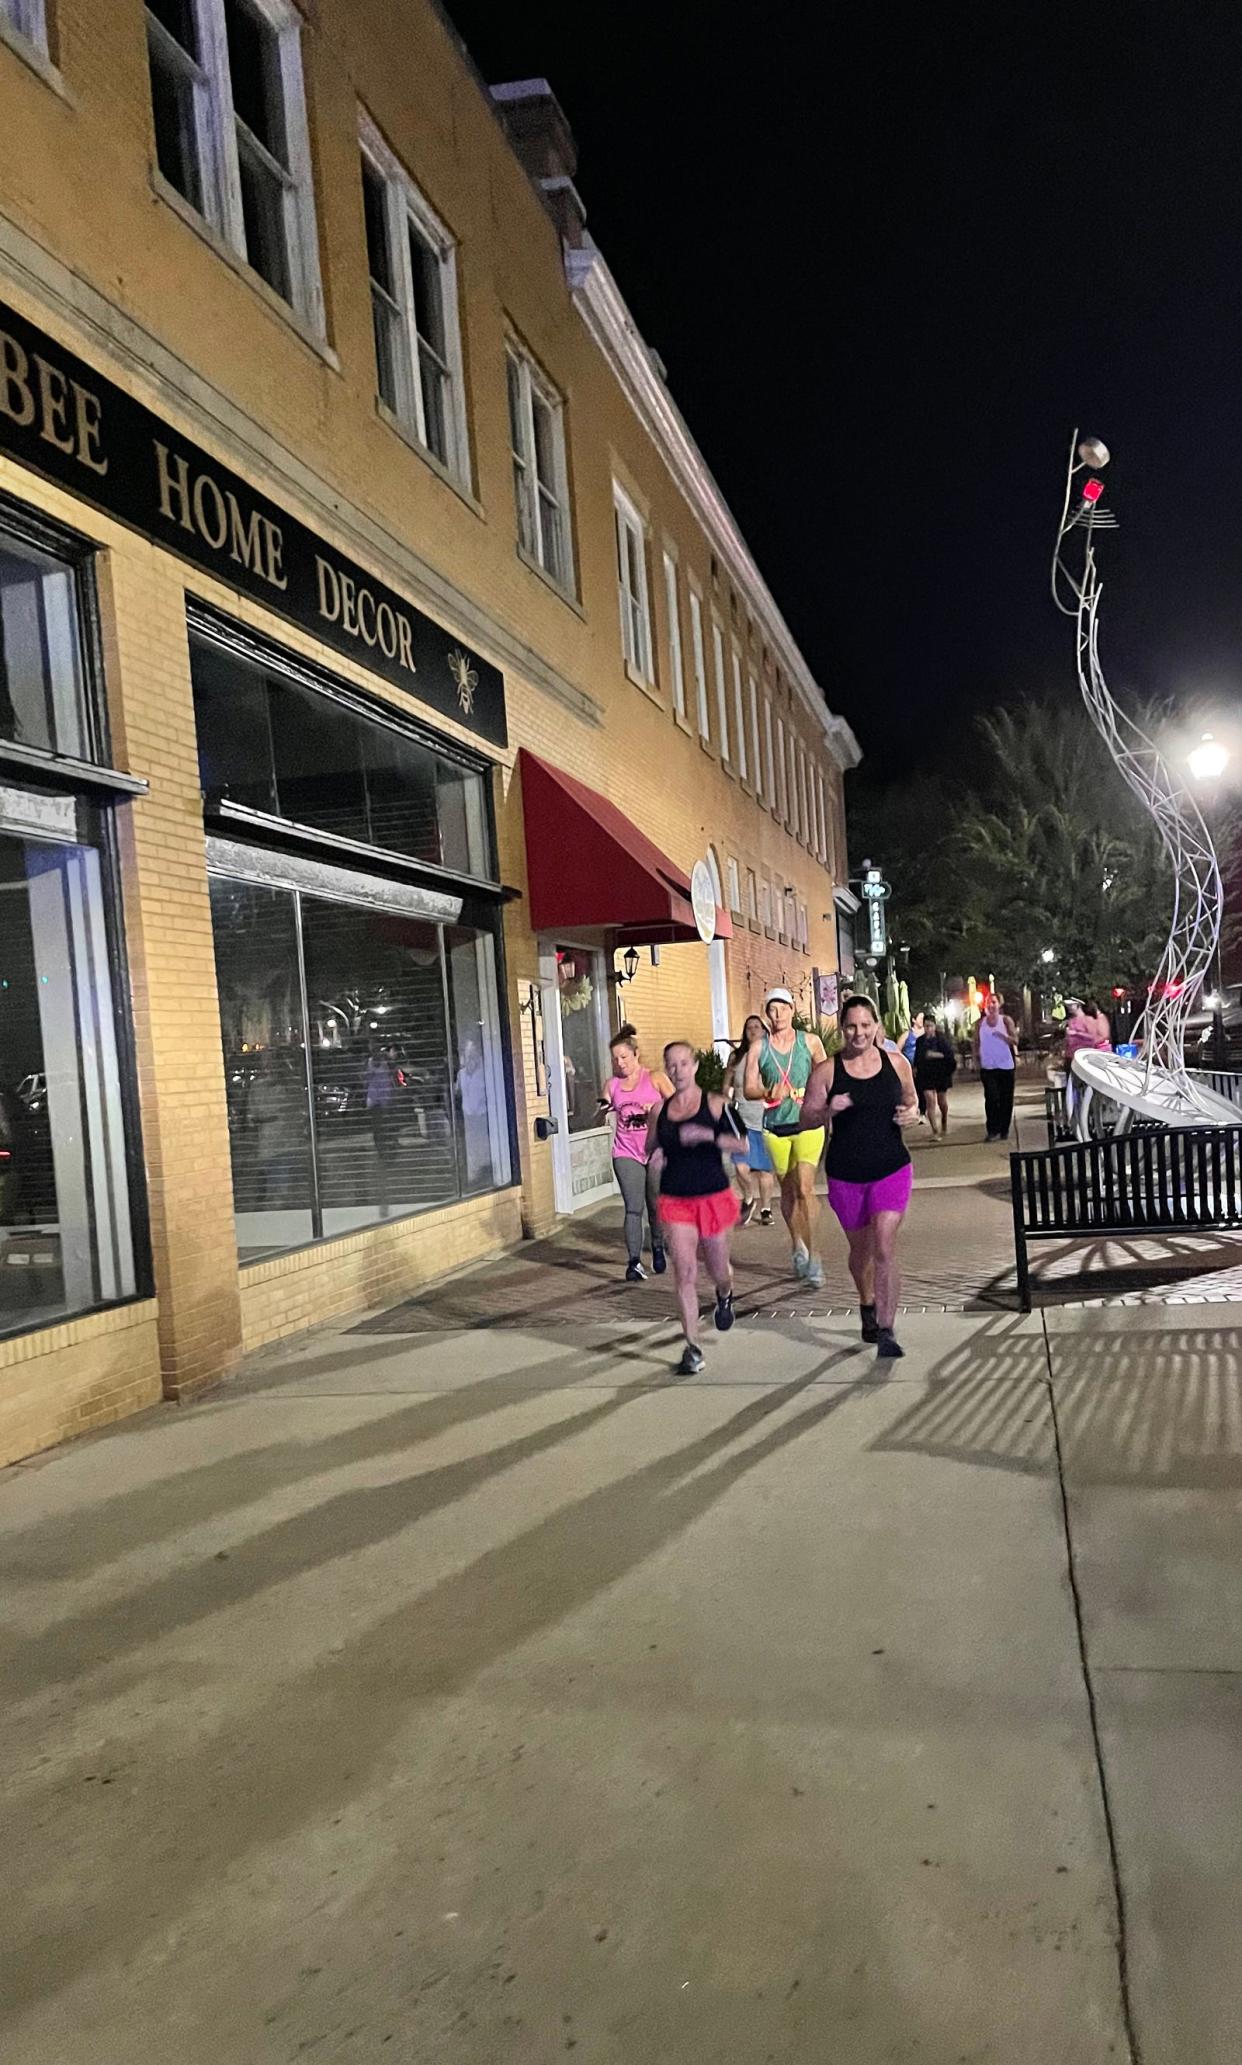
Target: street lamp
(1048,956)
(1207,763)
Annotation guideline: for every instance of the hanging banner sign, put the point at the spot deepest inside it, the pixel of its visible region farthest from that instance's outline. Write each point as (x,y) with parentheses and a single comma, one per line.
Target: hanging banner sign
(876,892)
(62,419)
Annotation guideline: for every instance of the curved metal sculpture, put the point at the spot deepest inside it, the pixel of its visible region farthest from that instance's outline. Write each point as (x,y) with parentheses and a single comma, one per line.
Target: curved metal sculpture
(1158,1086)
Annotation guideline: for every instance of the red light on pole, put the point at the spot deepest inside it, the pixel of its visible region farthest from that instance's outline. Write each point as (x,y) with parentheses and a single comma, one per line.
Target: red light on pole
(1092,490)
(1118,992)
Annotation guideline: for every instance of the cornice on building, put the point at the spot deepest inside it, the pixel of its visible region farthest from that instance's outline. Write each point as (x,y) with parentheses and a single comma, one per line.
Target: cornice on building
(603,309)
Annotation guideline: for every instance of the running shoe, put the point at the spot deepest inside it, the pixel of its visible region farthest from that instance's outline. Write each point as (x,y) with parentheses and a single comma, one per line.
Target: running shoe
(691,1361)
(748,1212)
(765,1217)
(869,1323)
(635,1273)
(801,1263)
(814,1273)
(888,1346)
(724,1314)
(659,1260)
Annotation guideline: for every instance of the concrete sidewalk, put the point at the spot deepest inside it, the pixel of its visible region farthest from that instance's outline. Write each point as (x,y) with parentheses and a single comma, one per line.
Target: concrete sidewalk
(457,1685)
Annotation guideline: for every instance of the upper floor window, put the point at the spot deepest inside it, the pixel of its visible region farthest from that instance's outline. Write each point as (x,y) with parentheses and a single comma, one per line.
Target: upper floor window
(700,663)
(739,716)
(791,794)
(722,693)
(540,478)
(28,18)
(733,876)
(782,800)
(770,791)
(821,819)
(231,136)
(804,815)
(632,586)
(413,266)
(674,635)
(756,760)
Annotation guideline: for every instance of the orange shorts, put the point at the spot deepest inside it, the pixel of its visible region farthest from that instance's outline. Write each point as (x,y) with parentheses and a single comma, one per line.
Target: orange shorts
(710,1215)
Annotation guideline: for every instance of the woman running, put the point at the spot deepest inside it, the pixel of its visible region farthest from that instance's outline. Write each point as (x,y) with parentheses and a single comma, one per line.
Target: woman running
(868,1095)
(686,1139)
(755,1173)
(935,1064)
(632,1093)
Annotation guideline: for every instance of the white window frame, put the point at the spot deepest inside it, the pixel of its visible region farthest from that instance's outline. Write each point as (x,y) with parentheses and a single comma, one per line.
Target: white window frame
(822,816)
(791,914)
(216,124)
(23,23)
(765,903)
(782,773)
(634,603)
(530,492)
(733,880)
(804,932)
(403,204)
(752,897)
(722,691)
(676,666)
(791,793)
(739,717)
(804,809)
(770,793)
(755,754)
(698,657)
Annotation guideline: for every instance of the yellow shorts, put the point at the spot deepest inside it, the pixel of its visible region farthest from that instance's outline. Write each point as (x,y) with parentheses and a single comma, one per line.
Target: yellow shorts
(788,1150)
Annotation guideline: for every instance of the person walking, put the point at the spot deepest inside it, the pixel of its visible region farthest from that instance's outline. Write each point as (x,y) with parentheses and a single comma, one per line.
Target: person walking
(755,1173)
(935,1065)
(778,1069)
(868,1095)
(631,1094)
(687,1137)
(996,1045)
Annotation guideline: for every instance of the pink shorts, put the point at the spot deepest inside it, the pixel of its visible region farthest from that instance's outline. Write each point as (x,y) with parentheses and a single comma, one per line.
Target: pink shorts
(710,1215)
(856,1204)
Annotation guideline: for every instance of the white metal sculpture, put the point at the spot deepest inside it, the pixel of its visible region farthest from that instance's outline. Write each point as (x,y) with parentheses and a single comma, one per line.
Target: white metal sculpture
(1158,1085)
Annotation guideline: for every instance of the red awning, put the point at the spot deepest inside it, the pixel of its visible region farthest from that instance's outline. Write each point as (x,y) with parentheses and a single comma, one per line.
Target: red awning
(590,869)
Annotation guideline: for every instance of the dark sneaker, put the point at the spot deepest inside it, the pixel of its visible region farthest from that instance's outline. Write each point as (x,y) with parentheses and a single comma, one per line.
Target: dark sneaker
(869,1323)
(765,1217)
(636,1273)
(724,1314)
(888,1346)
(659,1260)
(748,1212)
(691,1361)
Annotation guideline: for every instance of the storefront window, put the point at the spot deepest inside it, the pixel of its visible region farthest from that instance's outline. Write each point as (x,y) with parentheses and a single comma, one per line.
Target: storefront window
(403,1109)
(65,1237)
(580,1041)
(41,699)
(296,752)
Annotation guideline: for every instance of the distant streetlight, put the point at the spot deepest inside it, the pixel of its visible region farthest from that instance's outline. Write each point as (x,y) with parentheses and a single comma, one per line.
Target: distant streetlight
(1048,956)
(1209,759)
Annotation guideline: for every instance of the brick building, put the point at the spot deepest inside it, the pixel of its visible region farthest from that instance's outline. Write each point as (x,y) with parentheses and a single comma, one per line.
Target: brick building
(378,659)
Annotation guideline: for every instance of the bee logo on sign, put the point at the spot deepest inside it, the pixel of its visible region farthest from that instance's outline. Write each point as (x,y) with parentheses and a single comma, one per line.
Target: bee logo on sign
(465,678)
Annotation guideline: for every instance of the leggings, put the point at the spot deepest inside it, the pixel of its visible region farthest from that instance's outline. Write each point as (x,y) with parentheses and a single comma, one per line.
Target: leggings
(638,1187)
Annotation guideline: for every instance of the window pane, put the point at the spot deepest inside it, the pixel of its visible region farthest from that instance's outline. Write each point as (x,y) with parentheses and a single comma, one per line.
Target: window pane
(318,750)
(177,16)
(389,344)
(425,270)
(255,934)
(517,428)
(464,838)
(580,1044)
(552,537)
(401,791)
(176,135)
(263,214)
(379,256)
(479,1088)
(65,1236)
(230,715)
(41,702)
(435,388)
(254,75)
(545,444)
(379,1056)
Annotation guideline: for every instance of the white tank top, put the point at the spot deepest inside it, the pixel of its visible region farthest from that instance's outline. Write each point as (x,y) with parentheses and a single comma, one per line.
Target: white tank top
(994,1049)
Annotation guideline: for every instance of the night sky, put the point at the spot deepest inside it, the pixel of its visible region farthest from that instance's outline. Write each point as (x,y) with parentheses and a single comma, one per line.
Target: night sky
(891,257)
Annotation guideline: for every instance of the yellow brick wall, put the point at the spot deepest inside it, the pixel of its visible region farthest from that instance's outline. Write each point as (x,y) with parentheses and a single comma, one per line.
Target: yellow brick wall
(66,1379)
(93,251)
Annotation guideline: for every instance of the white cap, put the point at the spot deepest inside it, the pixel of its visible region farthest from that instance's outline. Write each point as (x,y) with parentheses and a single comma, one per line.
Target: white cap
(777,996)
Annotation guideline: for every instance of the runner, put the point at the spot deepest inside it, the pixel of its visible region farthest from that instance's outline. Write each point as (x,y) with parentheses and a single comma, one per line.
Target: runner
(996,1044)
(869,1096)
(934,1064)
(686,1138)
(755,1174)
(778,1069)
(632,1094)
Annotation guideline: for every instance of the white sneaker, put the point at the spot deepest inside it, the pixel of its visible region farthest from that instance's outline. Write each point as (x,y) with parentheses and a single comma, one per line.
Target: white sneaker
(801,1263)
(814,1273)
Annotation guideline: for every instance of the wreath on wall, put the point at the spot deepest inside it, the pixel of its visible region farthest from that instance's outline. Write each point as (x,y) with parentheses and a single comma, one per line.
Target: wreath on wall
(576,996)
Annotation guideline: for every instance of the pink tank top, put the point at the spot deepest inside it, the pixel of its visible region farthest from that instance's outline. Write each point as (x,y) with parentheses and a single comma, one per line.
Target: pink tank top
(632,1104)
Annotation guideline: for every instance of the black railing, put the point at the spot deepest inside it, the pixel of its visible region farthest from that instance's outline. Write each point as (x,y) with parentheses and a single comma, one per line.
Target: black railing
(1185,1180)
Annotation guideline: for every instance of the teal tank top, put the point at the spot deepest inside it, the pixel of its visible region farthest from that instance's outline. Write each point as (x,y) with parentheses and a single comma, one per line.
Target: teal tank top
(785,1077)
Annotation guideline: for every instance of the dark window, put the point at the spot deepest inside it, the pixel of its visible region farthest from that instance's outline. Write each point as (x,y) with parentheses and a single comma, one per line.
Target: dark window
(254,75)
(318,751)
(401,795)
(234,734)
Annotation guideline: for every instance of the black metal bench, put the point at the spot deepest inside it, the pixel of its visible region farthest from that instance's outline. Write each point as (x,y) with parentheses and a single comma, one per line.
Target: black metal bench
(1171,1181)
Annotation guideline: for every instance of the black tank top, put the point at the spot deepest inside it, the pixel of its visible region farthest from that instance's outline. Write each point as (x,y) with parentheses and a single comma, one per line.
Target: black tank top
(692,1171)
(866,1141)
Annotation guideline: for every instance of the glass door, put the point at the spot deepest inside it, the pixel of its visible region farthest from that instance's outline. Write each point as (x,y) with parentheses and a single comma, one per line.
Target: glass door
(575,1014)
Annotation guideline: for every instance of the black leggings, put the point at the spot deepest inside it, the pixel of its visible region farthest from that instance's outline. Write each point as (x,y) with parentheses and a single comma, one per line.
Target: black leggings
(997,1100)
(639,1189)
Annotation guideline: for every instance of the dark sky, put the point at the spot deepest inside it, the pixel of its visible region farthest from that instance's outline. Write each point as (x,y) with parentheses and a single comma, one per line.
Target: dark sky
(891,256)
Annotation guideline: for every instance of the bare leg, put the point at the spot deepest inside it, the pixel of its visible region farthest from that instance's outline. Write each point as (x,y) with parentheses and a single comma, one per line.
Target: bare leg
(884,1230)
(806,1205)
(929,1107)
(683,1246)
(862,1263)
(745,1183)
(720,1269)
(942,1099)
(789,1204)
(767,1189)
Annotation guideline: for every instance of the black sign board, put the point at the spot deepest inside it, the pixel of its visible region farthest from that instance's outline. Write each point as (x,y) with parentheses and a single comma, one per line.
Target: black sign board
(61,418)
